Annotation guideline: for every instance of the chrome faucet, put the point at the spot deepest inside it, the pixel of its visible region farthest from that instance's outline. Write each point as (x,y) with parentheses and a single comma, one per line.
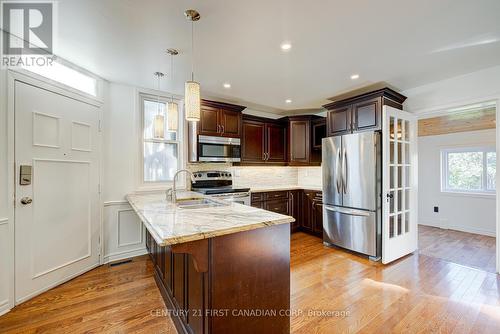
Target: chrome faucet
(172,192)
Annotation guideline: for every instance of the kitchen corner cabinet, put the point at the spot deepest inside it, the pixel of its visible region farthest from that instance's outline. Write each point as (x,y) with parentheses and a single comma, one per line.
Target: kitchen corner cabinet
(312,212)
(318,128)
(304,147)
(263,141)
(220,119)
(306,206)
(360,113)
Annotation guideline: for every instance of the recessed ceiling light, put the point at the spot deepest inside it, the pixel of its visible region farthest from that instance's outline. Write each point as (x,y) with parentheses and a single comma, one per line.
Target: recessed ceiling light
(354,76)
(227,85)
(286,46)
(288,101)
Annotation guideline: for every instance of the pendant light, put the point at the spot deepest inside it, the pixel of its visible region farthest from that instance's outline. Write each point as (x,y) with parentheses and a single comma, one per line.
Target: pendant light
(172,109)
(159,121)
(192,88)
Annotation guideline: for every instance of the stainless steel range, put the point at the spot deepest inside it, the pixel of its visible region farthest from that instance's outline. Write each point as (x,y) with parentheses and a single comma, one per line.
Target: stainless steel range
(219,184)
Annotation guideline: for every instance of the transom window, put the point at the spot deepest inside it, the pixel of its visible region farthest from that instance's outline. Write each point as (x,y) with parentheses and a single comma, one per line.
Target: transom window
(160,154)
(469,170)
(67,76)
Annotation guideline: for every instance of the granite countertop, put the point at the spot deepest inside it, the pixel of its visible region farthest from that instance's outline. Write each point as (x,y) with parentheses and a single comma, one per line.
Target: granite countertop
(169,224)
(279,188)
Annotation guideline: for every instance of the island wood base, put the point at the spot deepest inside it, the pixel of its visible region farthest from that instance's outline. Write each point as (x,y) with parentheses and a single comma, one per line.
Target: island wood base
(236,283)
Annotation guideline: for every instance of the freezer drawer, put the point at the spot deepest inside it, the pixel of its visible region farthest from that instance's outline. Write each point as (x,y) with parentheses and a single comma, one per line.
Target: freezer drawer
(351,229)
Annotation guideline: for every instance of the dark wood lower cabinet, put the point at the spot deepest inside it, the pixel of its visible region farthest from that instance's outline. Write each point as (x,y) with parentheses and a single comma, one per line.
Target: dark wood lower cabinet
(312,206)
(295,210)
(219,285)
(306,206)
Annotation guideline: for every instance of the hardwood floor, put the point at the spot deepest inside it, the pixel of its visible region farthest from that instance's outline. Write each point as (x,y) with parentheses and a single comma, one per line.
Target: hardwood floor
(120,299)
(336,291)
(417,294)
(468,249)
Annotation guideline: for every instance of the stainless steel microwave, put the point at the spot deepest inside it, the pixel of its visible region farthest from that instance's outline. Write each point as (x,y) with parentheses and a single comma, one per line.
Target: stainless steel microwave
(213,149)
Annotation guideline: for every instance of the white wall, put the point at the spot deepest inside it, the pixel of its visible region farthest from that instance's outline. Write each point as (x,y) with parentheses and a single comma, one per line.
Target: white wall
(6,223)
(469,213)
(123,231)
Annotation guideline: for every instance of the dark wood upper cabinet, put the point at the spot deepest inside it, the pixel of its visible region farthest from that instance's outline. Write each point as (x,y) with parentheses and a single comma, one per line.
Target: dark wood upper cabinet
(209,121)
(318,133)
(220,119)
(339,121)
(292,140)
(367,114)
(253,141)
(361,112)
(231,123)
(301,140)
(263,141)
(276,142)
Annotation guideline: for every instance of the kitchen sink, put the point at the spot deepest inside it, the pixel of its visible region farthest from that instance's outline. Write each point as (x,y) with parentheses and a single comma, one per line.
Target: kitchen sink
(198,203)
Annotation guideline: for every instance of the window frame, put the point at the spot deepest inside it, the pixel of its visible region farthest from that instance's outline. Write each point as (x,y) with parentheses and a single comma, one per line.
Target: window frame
(445,188)
(159,185)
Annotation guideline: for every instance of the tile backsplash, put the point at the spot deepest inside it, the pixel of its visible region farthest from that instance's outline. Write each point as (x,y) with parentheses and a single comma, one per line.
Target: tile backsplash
(309,176)
(265,176)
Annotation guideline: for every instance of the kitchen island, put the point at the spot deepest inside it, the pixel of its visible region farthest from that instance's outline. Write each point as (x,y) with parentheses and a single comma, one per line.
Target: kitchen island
(221,267)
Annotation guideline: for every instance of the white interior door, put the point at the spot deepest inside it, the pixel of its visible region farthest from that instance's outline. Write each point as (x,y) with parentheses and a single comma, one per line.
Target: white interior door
(57,234)
(399,169)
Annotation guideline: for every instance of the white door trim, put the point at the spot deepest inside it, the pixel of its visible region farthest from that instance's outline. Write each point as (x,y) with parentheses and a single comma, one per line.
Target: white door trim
(37,81)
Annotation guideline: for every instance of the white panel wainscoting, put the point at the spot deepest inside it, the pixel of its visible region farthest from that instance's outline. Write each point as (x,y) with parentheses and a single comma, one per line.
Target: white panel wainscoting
(124,233)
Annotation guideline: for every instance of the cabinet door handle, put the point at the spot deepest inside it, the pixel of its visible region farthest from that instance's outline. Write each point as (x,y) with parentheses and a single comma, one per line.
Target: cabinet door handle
(222,128)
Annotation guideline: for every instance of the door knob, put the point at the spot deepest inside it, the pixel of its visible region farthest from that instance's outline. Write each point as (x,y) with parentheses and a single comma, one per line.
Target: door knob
(26,200)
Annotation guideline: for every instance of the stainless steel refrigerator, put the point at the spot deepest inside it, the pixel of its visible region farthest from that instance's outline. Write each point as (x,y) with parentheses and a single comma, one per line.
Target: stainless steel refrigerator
(352,178)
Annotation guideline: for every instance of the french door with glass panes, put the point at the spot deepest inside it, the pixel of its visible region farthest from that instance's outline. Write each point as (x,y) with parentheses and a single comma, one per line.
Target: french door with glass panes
(399,168)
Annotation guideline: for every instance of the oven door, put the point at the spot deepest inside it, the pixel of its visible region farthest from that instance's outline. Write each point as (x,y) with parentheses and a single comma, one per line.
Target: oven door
(217,149)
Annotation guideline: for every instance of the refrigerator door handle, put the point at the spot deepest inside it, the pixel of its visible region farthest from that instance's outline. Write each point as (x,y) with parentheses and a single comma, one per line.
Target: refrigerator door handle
(344,171)
(347,211)
(337,172)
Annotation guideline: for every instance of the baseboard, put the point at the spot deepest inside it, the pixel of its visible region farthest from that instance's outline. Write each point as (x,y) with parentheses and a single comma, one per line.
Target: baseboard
(4,307)
(467,229)
(124,255)
(431,223)
(474,230)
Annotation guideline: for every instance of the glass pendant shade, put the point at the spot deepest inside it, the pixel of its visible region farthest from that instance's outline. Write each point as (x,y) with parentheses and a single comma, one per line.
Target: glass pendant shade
(172,117)
(192,101)
(159,127)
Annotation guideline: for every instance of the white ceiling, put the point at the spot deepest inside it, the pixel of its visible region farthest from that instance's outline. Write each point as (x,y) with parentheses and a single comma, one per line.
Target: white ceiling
(405,43)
